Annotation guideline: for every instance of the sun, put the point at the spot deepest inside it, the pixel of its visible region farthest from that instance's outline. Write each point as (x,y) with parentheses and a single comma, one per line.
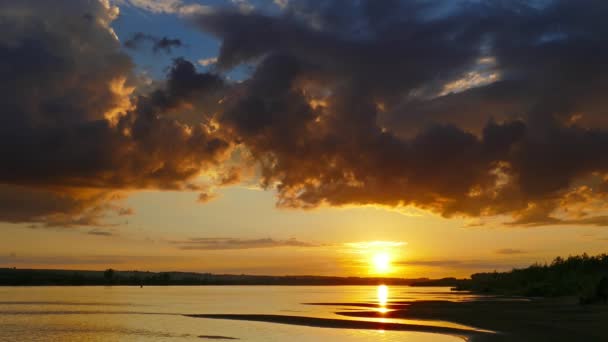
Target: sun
(381,262)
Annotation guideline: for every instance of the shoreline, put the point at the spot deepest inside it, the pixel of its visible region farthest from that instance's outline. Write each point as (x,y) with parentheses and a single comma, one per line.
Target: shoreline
(561,319)
(345,324)
(110,277)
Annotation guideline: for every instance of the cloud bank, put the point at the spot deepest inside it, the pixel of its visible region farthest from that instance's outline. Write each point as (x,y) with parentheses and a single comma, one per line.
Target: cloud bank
(348,105)
(461,108)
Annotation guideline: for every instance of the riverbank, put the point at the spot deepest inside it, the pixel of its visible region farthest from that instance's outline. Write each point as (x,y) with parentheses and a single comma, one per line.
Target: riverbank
(50,277)
(345,324)
(496,319)
(558,319)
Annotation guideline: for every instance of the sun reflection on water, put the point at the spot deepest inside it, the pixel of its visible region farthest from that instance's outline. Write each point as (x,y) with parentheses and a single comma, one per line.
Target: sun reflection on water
(382,293)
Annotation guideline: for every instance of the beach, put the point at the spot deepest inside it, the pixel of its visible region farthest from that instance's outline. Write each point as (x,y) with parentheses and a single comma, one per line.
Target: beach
(496,319)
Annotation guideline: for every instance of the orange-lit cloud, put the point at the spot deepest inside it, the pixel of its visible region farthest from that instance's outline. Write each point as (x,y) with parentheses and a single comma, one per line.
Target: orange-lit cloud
(495,141)
(442,113)
(79,140)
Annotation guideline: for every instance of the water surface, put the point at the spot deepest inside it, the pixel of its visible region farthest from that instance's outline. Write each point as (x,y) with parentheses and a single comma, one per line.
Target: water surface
(158,313)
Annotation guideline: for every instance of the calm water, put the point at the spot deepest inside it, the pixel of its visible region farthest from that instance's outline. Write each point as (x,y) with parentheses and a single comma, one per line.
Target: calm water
(156,313)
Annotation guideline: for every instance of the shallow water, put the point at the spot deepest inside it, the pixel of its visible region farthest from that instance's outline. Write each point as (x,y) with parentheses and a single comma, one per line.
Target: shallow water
(157,313)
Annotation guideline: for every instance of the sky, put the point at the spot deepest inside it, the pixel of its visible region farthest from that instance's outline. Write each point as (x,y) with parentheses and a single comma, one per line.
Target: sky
(405,138)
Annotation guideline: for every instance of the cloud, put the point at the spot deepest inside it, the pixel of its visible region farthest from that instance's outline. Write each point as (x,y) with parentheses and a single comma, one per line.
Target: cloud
(99,232)
(243,5)
(64,207)
(376,244)
(207,61)
(455,264)
(57,261)
(76,137)
(158,44)
(510,251)
(205,197)
(166,6)
(234,243)
(434,104)
(425,103)
(281,3)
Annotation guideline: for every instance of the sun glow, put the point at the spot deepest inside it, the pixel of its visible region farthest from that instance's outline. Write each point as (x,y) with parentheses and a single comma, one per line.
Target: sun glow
(378,258)
(381,262)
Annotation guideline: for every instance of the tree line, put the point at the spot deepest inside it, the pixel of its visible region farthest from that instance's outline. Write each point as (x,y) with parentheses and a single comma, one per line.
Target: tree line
(581,275)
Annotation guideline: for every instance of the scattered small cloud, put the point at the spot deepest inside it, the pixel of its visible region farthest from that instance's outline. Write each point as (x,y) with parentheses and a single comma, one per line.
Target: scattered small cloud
(456,264)
(158,43)
(207,61)
(542,221)
(99,232)
(244,6)
(510,251)
(375,244)
(125,211)
(235,243)
(205,197)
(167,6)
(62,261)
(281,3)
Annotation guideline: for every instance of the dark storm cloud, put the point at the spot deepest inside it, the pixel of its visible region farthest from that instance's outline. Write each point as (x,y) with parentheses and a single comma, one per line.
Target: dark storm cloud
(232,243)
(158,43)
(464,108)
(471,108)
(73,135)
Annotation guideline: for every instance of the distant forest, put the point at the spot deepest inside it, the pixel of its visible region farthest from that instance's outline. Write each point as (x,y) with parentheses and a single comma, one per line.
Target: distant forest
(583,276)
(39,277)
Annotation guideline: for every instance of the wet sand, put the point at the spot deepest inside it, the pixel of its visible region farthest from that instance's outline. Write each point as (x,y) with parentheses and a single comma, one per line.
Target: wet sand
(217,337)
(500,320)
(343,324)
(517,320)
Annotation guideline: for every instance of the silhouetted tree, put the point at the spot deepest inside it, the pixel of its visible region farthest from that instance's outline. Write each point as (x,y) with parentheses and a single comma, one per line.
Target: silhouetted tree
(584,276)
(109,275)
(165,278)
(76,279)
(602,290)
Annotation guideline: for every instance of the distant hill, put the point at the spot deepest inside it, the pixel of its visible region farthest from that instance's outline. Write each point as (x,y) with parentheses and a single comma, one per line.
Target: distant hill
(39,277)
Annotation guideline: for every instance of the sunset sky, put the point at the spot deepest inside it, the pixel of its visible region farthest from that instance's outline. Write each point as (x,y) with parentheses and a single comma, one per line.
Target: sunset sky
(414,138)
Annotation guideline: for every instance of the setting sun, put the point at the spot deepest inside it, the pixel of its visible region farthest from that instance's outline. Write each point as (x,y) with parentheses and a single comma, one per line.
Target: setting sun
(381,262)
